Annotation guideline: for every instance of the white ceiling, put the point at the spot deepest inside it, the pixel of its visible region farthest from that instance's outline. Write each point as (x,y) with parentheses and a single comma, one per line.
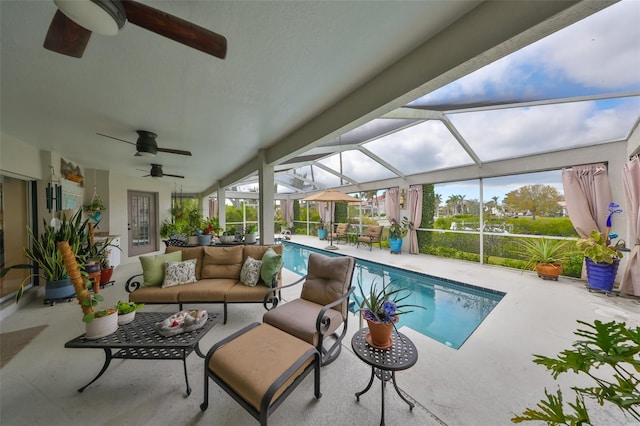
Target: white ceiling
(288,63)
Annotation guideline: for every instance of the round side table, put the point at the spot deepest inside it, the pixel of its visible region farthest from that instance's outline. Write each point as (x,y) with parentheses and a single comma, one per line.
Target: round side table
(385,362)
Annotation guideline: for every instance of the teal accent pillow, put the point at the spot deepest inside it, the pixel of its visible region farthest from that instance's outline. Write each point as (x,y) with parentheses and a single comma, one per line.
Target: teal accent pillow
(271,264)
(153,267)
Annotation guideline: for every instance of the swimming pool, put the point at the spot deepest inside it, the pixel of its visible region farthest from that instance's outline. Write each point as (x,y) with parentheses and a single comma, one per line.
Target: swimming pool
(453,309)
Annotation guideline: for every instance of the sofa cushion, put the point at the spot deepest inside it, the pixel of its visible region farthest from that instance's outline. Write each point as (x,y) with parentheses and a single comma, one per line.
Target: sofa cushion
(257,251)
(206,290)
(176,273)
(222,262)
(155,294)
(271,264)
(244,293)
(153,267)
(328,279)
(190,253)
(240,363)
(299,317)
(250,273)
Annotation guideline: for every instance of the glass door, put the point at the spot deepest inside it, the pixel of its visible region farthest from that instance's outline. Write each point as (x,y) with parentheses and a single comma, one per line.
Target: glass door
(143,223)
(14,218)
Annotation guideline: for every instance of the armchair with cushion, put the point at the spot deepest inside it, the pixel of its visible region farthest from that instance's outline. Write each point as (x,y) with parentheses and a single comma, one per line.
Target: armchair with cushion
(341,232)
(373,235)
(322,307)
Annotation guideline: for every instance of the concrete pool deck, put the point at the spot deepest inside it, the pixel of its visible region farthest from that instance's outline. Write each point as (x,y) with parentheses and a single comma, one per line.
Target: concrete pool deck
(485,382)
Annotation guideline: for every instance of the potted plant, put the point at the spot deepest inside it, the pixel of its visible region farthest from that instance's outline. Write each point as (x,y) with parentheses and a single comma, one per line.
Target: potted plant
(382,309)
(106,270)
(127,311)
(94,257)
(397,231)
(98,322)
(545,256)
(250,233)
(207,228)
(613,345)
(601,259)
(322,231)
(95,208)
(167,229)
(47,259)
(228,237)
(193,225)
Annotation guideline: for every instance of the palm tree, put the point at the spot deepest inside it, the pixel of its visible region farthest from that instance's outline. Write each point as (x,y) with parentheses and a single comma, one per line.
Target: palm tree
(437,199)
(451,203)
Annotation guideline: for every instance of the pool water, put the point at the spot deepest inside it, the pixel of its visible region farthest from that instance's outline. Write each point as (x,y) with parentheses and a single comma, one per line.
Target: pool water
(453,309)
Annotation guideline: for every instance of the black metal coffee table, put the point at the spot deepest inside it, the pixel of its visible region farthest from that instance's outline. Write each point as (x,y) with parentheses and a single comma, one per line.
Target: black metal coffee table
(140,340)
(385,362)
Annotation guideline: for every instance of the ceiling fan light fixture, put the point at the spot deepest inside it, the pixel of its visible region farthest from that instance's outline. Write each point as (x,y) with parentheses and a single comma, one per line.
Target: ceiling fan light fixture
(156,171)
(146,144)
(100,16)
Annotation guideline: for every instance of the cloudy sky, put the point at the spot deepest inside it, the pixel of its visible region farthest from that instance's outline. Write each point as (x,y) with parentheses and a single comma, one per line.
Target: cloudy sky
(598,55)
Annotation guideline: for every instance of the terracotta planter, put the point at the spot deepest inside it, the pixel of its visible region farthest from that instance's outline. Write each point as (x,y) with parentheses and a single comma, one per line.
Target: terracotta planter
(548,271)
(105,275)
(379,335)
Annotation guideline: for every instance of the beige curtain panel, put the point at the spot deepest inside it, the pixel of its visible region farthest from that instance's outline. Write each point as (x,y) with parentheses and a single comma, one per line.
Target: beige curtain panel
(414,202)
(630,282)
(588,195)
(392,204)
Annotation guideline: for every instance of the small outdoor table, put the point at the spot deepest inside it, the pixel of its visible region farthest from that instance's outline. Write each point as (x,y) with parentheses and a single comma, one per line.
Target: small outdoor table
(385,362)
(140,340)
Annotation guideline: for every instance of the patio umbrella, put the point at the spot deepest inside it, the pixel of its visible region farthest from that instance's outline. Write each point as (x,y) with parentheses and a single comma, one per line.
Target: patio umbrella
(630,283)
(331,196)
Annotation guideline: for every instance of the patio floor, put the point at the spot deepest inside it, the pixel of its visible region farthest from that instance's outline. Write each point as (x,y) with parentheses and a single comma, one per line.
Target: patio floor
(485,382)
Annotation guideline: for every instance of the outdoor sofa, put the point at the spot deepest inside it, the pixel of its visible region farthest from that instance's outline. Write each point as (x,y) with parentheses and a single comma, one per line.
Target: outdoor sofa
(205,274)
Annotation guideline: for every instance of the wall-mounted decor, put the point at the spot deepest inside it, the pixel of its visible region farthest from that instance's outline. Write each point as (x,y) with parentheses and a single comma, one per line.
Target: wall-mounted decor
(53,192)
(71,201)
(71,172)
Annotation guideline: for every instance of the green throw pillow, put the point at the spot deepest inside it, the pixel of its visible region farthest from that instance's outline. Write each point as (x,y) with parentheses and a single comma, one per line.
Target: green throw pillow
(271,264)
(153,267)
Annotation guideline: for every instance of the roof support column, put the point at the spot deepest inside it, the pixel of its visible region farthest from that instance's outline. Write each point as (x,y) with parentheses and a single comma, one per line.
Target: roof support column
(222,207)
(266,179)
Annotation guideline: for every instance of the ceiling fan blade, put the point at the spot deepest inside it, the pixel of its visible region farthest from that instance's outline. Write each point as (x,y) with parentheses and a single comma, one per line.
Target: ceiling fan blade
(175,176)
(176,29)
(66,37)
(111,137)
(175,151)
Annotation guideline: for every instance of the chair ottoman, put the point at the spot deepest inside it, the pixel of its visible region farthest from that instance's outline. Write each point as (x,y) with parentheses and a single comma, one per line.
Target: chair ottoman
(260,366)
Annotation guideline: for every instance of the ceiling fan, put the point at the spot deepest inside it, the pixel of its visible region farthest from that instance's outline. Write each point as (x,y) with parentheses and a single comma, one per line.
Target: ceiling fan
(147,146)
(74,21)
(156,171)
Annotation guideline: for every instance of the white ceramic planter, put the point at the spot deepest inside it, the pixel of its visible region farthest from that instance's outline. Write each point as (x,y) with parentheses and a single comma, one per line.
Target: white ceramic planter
(101,327)
(126,318)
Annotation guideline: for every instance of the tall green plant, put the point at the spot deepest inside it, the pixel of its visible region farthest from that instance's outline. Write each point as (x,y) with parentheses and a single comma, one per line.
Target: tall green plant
(44,249)
(544,251)
(611,344)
